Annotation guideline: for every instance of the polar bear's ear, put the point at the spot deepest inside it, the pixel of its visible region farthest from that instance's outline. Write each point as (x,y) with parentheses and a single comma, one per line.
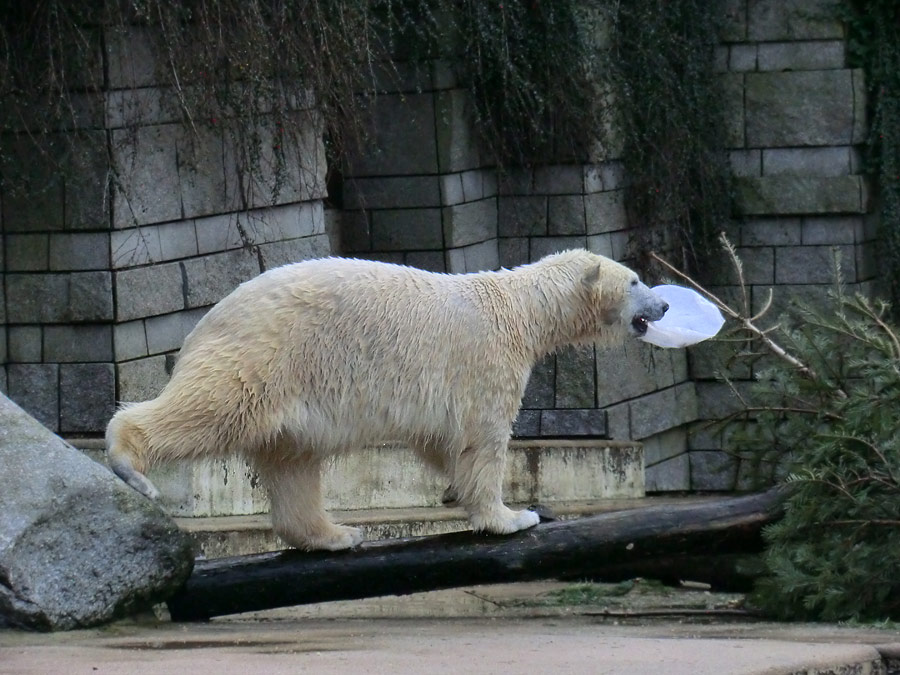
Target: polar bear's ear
(592,276)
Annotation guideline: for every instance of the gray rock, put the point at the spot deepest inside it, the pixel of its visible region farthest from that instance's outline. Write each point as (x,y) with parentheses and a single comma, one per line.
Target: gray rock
(77,546)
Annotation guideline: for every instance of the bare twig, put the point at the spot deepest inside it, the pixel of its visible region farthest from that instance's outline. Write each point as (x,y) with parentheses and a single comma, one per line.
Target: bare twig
(743,318)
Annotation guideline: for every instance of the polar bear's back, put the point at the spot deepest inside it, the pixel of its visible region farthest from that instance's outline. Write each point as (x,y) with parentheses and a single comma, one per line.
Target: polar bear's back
(339,351)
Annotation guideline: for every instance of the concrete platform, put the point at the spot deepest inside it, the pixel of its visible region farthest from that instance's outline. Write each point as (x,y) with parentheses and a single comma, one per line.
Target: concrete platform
(571,641)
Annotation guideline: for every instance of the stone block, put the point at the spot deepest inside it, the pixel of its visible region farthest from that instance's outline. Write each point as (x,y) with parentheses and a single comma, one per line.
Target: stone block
(167,332)
(771,232)
(832,230)
(278,223)
(742,57)
(672,475)
(25,344)
(278,165)
(148,189)
(605,212)
(131,57)
(131,107)
(281,253)
(664,446)
(147,291)
(776,20)
(860,101)
(712,471)
(398,192)
(49,298)
(717,400)
(618,421)
(210,278)
(812,264)
(87,397)
(432,261)
(401,138)
(629,370)
(814,107)
(406,229)
(758,265)
(356,232)
(27,252)
(601,244)
(720,58)
(218,233)
(473,184)
(795,195)
(515,181)
(566,215)
(76,343)
(527,424)
(710,359)
(33,192)
(142,379)
(544,246)
(129,340)
(745,162)
(540,390)
(473,258)
(513,251)
(451,189)
(457,144)
(522,216)
(35,387)
(830,161)
(559,179)
(135,246)
(590,422)
(86,169)
(489,185)
(200,171)
(470,223)
(654,413)
(575,373)
(177,240)
(602,177)
(812,55)
(731,87)
(734,20)
(79,251)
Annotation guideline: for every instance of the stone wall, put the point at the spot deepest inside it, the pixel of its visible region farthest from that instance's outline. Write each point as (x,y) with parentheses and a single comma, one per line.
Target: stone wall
(103,278)
(797,117)
(112,257)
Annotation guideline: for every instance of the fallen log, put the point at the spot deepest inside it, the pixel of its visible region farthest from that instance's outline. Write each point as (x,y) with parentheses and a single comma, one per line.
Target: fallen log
(657,541)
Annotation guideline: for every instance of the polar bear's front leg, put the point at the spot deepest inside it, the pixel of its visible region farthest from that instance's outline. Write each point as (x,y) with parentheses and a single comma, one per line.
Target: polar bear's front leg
(479,483)
(298,512)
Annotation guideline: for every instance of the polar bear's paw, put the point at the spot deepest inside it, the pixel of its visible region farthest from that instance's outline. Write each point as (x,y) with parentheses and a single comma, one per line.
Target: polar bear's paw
(337,538)
(504,522)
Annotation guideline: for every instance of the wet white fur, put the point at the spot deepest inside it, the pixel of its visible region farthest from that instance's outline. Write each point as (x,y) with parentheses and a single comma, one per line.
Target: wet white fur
(322,357)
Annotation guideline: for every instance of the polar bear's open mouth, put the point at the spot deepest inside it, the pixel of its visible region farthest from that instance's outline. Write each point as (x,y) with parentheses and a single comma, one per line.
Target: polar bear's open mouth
(639,323)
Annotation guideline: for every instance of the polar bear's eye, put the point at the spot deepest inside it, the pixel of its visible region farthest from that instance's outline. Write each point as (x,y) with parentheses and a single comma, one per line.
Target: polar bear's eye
(634,282)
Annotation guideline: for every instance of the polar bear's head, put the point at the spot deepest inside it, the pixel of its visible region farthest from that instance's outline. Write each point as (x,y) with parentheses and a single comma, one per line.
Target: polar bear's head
(623,297)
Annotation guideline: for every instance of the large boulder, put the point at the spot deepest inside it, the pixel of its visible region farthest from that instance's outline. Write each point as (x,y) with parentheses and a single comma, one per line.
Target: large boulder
(78,547)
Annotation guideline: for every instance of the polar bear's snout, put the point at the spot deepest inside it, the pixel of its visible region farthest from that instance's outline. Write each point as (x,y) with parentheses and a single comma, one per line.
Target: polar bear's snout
(648,306)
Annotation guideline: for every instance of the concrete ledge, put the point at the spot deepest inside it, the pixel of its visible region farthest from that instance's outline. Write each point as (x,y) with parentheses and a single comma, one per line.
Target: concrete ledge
(390,476)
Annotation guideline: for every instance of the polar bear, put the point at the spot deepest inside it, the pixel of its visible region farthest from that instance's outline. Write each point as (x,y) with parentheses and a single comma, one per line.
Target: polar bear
(317,358)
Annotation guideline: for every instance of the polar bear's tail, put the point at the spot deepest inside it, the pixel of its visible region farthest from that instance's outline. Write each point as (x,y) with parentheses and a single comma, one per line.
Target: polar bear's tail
(125,451)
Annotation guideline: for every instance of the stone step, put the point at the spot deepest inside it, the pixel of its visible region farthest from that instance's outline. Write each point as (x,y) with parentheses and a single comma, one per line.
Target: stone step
(390,476)
(223,536)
